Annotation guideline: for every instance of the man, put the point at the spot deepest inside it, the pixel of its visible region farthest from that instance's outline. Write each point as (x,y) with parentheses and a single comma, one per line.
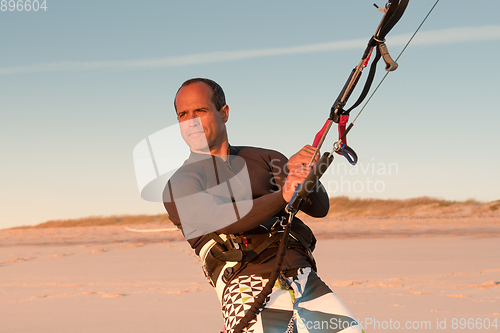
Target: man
(229,203)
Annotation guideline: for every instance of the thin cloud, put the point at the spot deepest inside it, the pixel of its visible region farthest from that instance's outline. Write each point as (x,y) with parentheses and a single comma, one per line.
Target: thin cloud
(444,36)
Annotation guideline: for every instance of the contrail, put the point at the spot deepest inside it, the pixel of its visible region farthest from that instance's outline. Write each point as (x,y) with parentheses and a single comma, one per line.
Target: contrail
(443,36)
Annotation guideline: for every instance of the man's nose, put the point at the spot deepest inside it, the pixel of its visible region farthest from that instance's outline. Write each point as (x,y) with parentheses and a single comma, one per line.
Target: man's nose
(193,120)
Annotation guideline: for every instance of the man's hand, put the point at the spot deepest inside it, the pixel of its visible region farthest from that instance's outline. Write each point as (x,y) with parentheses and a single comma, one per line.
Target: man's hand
(294,178)
(298,170)
(303,157)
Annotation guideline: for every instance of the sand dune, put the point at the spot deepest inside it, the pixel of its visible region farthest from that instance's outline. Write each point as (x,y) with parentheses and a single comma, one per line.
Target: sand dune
(423,206)
(467,219)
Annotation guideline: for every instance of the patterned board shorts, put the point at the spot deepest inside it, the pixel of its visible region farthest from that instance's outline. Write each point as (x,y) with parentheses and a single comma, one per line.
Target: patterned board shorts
(300,304)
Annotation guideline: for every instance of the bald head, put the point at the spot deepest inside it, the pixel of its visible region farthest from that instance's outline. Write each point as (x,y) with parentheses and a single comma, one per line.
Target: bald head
(218,97)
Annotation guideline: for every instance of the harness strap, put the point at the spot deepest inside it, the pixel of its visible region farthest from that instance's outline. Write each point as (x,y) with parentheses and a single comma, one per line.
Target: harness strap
(230,272)
(223,251)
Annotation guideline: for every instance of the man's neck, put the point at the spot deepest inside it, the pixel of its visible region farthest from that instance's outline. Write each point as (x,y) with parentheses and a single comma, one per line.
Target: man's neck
(221,151)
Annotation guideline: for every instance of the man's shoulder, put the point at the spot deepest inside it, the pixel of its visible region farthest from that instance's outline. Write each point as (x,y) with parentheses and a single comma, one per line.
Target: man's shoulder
(192,168)
(256,152)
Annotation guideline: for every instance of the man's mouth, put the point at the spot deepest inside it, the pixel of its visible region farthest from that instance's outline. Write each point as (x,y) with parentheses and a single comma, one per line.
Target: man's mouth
(196,133)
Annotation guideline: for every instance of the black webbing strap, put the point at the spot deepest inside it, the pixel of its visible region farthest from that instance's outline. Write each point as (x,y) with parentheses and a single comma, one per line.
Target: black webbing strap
(368,83)
(222,251)
(231,272)
(396,10)
(251,255)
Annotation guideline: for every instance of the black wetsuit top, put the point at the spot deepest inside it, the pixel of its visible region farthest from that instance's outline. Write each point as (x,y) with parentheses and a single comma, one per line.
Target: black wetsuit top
(192,186)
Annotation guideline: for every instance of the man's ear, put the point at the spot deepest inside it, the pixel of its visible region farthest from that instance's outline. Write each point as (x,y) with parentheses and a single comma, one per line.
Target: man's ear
(225,113)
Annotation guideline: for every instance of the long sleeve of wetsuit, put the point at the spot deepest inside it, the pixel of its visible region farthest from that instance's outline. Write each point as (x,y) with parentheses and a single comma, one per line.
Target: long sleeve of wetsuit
(317,203)
(201,212)
(208,194)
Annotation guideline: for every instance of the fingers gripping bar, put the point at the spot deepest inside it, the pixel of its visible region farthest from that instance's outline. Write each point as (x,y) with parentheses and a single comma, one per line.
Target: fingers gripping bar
(305,188)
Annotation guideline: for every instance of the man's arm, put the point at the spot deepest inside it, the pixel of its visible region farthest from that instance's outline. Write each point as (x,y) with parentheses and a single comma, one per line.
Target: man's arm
(200,211)
(219,208)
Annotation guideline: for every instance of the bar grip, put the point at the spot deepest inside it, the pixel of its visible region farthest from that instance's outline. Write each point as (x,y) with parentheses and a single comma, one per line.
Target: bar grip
(305,188)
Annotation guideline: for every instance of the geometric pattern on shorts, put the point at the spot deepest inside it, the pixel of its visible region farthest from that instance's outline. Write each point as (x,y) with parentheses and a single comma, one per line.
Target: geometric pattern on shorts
(305,308)
(238,298)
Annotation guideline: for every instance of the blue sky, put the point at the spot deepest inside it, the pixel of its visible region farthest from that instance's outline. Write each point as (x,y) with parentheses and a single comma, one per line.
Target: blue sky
(84,82)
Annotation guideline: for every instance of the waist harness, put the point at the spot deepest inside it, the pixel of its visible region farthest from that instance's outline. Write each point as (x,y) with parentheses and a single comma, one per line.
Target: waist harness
(224,256)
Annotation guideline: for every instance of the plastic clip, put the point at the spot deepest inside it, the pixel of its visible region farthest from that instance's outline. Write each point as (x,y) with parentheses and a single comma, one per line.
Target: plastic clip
(347,152)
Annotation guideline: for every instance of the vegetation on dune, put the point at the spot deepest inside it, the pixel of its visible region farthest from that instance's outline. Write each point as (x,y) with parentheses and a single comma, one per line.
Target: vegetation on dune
(103,220)
(348,207)
(339,207)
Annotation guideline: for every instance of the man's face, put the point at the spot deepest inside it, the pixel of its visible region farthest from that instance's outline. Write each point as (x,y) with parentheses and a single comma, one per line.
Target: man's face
(202,126)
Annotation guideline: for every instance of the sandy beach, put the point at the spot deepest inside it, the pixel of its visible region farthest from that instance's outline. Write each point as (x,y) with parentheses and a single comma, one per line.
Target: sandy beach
(431,273)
